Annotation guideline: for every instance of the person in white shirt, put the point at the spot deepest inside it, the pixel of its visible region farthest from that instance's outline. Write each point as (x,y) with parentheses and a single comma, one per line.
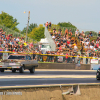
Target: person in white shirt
(53,37)
(76,33)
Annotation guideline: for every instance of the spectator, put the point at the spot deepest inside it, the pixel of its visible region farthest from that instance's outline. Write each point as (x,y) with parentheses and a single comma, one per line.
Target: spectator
(53,37)
(69,34)
(73,58)
(60,32)
(83,34)
(90,34)
(99,34)
(34,54)
(66,57)
(49,56)
(66,31)
(76,33)
(1,31)
(49,26)
(68,43)
(46,25)
(54,31)
(78,65)
(52,57)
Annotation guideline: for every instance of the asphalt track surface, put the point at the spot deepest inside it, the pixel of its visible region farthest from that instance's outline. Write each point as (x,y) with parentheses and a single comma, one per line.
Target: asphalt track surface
(41,77)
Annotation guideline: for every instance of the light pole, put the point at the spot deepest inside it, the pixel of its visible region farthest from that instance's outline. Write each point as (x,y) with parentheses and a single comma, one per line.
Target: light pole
(27,25)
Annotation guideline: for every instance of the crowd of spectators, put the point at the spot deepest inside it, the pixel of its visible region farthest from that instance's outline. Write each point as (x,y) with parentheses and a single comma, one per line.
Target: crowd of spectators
(91,46)
(13,44)
(65,44)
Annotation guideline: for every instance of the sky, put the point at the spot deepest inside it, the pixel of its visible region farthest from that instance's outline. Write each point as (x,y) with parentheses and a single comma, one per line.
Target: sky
(84,14)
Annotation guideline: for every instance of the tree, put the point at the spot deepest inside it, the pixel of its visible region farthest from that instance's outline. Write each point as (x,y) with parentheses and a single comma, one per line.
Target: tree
(8,21)
(30,28)
(37,33)
(64,24)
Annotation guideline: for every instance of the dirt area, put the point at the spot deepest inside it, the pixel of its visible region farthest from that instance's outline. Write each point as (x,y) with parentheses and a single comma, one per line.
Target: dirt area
(51,93)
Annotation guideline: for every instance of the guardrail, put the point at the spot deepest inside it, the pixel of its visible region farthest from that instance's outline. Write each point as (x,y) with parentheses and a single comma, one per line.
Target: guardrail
(63,59)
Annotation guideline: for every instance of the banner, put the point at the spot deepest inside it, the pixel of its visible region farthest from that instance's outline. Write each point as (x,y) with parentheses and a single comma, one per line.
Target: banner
(60,59)
(5,56)
(94,61)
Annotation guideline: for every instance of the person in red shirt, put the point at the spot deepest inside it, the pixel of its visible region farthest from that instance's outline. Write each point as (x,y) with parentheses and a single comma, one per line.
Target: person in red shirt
(97,45)
(66,56)
(60,48)
(67,44)
(14,50)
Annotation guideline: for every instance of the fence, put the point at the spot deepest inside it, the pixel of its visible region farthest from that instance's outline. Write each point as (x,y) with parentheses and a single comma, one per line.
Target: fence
(14,33)
(63,59)
(9,31)
(56,58)
(51,58)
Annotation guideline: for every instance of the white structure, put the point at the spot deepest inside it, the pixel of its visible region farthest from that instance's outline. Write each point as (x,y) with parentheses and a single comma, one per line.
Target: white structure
(50,40)
(44,45)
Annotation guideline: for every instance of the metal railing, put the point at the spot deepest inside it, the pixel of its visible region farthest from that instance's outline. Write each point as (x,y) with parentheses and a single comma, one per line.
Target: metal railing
(10,31)
(62,59)
(56,58)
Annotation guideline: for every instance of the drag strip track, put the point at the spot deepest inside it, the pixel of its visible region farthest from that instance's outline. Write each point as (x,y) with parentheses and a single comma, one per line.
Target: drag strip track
(46,81)
(47,77)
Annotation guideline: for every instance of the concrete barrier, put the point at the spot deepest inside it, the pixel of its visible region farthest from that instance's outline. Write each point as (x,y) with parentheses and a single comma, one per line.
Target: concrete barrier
(85,66)
(88,92)
(62,66)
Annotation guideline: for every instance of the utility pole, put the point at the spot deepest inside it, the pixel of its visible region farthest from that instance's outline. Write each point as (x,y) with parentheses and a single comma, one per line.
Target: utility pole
(27,24)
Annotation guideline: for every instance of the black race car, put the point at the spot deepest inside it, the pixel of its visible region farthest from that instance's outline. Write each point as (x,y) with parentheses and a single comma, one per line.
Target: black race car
(98,74)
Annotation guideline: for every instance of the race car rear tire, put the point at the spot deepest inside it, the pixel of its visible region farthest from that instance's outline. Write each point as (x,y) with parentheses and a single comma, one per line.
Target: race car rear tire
(32,70)
(97,78)
(2,70)
(21,70)
(13,70)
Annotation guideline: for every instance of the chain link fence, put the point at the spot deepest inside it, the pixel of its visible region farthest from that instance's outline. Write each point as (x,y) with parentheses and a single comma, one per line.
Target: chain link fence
(14,33)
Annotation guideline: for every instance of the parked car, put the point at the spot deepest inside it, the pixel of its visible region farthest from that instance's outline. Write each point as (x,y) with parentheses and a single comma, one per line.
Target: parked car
(19,62)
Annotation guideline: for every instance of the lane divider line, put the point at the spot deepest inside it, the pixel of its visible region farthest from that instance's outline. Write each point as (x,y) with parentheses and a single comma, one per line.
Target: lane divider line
(49,76)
